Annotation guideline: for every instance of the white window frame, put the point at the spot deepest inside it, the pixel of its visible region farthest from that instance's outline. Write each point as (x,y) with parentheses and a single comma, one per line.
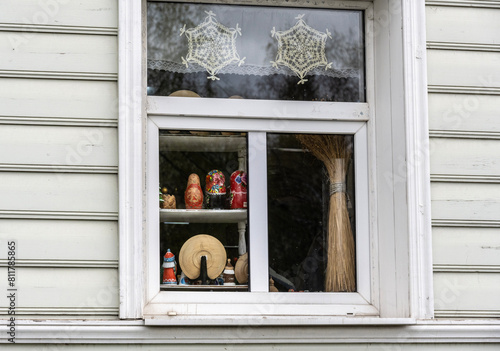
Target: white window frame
(400,272)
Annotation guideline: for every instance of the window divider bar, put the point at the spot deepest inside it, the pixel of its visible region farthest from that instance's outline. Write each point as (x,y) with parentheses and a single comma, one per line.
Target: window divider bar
(257,193)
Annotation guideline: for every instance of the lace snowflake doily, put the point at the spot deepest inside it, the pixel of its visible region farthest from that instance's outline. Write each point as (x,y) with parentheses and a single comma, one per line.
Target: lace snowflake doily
(301,49)
(212,45)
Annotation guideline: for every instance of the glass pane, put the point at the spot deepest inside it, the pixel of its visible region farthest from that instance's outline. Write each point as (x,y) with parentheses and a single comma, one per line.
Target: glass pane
(311,212)
(203,211)
(227,51)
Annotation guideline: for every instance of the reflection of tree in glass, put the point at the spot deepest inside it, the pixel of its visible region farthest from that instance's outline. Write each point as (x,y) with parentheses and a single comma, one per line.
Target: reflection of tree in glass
(345,50)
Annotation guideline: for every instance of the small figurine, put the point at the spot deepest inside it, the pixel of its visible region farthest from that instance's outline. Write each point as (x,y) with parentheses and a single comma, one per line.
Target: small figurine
(169,269)
(239,184)
(215,190)
(167,201)
(272,288)
(193,195)
(228,273)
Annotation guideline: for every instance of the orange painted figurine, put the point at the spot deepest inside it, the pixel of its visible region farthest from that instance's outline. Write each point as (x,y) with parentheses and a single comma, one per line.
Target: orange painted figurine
(193,196)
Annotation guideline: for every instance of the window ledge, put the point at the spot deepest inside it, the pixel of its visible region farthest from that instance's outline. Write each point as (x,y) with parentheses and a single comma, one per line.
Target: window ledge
(273,320)
(135,332)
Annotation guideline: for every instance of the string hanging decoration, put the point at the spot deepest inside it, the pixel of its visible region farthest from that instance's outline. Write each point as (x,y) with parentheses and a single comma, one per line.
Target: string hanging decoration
(212,45)
(301,48)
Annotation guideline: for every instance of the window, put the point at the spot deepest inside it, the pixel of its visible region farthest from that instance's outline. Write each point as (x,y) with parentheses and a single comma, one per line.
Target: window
(265,128)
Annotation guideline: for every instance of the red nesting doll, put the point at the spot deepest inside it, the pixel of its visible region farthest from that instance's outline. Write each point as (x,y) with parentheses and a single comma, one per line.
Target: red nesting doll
(193,196)
(239,183)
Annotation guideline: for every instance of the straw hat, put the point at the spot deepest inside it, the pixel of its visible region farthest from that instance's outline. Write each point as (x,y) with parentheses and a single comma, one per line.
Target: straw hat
(202,245)
(184,93)
(241,269)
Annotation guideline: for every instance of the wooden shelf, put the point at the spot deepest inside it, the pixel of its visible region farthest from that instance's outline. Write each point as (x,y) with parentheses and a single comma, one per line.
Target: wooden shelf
(168,287)
(195,143)
(203,216)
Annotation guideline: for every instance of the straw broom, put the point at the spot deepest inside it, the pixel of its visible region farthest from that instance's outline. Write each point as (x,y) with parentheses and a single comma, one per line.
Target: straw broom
(335,153)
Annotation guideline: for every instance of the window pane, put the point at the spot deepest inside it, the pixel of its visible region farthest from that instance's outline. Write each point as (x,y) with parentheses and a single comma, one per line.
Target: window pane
(206,174)
(225,51)
(307,176)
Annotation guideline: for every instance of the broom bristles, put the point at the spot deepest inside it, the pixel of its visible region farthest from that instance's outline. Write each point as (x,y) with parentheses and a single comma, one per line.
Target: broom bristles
(335,153)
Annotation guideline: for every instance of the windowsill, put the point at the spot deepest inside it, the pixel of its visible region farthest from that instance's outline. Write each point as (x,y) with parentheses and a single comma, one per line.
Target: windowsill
(272,320)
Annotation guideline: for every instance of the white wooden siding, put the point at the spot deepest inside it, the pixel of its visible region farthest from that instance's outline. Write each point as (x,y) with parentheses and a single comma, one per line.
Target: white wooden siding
(60,291)
(465,202)
(86,149)
(49,52)
(462,25)
(467,294)
(463,40)
(89,13)
(459,158)
(275,346)
(58,155)
(453,68)
(466,114)
(58,192)
(61,243)
(49,101)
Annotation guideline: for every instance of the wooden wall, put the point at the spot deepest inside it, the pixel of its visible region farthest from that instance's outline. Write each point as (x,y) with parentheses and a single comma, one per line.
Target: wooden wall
(59,157)
(463,42)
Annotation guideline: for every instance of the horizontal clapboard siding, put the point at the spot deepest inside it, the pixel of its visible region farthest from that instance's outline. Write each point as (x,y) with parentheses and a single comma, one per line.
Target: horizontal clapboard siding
(474,202)
(464,113)
(92,14)
(467,295)
(60,291)
(58,101)
(463,26)
(61,243)
(466,249)
(49,148)
(464,95)
(59,156)
(60,53)
(57,192)
(451,68)
(462,158)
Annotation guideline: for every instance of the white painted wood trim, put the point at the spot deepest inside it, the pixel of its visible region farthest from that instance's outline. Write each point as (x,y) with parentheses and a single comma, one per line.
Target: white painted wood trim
(29,214)
(461,134)
(59,121)
(458,268)
(57,75)
(257,220)
(43,28)
(247,108)
(63,311)
(368,331)
(62,263)
(418,165)
(455,89)
(441,45)
(465,178)
(131,133)
(466,223)
(464,3)
(57,168)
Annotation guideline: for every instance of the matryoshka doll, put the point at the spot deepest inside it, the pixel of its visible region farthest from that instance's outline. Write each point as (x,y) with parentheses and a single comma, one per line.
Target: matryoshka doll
(215,190)
(228,274)
(239,184)
(169,269)
(193,196)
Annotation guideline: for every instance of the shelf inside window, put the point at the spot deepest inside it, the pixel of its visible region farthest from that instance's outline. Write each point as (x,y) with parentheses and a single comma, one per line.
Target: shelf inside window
(195,143)
(171,287)
(203,216)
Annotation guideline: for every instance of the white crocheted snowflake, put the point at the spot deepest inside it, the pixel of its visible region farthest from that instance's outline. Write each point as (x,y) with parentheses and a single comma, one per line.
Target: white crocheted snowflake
(212,45)
(301,48)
